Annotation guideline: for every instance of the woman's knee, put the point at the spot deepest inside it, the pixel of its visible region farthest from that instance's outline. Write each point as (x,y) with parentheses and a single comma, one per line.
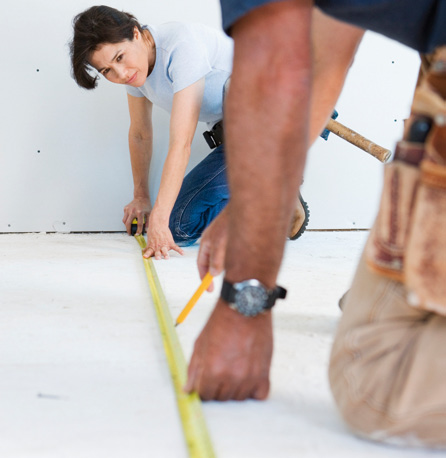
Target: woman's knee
(181,233)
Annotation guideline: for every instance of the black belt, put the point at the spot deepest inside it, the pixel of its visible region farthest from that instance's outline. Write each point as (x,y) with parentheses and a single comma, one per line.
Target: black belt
(214,137)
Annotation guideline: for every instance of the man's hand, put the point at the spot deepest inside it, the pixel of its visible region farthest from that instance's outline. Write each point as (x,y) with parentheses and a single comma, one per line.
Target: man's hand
(232,356)
(139,208)
(211,255)
(159,239)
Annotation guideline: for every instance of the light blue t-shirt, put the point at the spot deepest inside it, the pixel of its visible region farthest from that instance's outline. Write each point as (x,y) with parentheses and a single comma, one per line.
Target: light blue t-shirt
(186,53)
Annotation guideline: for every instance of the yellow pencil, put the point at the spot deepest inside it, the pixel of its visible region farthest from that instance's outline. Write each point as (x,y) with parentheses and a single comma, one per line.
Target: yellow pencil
(207,280)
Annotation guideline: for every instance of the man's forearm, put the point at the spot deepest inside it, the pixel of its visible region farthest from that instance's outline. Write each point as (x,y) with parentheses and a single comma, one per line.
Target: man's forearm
(266,122)
(334,47)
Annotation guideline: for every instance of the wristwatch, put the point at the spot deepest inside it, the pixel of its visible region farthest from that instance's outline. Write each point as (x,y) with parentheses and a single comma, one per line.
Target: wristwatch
(250,297)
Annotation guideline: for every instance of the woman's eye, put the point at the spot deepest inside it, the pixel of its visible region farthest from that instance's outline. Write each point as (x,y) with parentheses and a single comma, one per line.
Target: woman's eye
(119,57)
(104,72)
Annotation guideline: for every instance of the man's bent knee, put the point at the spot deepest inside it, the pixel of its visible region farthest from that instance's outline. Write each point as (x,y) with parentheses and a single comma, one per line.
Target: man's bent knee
(387,372)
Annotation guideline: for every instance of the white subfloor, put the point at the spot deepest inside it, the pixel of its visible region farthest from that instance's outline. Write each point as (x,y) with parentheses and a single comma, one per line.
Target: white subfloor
(82,367)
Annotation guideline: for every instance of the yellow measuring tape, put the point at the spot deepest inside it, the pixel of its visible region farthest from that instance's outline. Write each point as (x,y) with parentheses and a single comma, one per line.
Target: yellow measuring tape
(189,405)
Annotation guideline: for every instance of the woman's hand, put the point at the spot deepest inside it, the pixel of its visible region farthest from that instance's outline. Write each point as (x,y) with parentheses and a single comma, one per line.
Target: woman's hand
(159,239)
(139,208)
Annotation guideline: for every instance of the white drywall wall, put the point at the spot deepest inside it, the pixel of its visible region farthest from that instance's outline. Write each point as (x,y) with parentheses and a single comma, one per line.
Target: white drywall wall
(63,151)
(343,183)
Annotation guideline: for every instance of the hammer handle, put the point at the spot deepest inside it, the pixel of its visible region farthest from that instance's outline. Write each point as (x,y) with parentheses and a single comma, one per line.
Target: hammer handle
(358,140)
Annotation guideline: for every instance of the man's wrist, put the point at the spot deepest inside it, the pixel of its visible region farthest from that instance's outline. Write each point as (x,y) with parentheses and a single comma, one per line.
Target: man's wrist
(221,303)
(250,297)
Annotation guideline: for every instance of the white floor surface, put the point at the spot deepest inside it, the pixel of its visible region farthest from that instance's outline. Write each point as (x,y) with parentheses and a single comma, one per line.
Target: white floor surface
(82,366)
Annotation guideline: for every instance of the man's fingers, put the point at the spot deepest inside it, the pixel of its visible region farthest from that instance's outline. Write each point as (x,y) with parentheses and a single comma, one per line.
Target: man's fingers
(211,287)
(203,268)
(217,260)
(192,372)
(203,261)
(206,389)
(260,391)
(225,392)
(241,394)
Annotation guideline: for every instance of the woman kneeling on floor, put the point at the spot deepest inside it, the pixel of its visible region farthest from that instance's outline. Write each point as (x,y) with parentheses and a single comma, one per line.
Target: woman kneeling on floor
(183,69)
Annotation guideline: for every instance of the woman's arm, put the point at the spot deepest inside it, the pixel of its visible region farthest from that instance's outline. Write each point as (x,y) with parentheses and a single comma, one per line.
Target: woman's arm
(140,146)
(183,123)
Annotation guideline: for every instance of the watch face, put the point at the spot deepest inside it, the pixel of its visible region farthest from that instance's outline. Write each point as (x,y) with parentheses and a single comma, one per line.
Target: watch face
(251,300)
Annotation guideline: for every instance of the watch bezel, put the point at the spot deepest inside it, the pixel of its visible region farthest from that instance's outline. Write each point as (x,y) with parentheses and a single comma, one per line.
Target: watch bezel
(232,294)
(250,306)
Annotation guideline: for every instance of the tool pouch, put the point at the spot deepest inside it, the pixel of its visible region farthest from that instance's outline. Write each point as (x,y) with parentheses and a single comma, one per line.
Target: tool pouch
(408,241)
(215,136)
(386,246)
(425,264)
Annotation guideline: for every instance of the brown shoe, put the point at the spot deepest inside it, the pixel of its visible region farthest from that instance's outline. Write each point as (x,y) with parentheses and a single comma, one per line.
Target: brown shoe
(300,219)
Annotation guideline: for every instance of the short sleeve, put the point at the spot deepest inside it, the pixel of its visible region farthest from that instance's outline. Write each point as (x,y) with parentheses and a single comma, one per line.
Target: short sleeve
(188,63)
(134,91)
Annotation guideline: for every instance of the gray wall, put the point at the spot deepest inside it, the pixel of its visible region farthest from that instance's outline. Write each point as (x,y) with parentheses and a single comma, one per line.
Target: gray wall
(63,151)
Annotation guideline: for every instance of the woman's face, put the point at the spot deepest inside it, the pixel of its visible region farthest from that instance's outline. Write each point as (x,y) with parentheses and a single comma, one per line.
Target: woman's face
(127,62)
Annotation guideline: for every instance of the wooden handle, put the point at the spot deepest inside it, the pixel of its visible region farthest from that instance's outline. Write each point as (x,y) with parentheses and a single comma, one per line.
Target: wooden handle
(382,154)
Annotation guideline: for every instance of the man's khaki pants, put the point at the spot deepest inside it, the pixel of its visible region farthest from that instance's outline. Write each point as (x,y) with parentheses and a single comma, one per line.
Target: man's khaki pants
(388,365)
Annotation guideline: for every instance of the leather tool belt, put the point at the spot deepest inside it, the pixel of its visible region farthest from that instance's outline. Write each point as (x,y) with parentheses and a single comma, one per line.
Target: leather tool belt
(408,240)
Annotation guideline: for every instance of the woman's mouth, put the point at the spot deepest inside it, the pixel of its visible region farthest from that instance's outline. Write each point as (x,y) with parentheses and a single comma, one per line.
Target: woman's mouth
(132,79)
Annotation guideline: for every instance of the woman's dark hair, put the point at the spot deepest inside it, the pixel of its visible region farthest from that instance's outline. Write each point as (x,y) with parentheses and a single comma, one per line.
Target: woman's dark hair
(92,28)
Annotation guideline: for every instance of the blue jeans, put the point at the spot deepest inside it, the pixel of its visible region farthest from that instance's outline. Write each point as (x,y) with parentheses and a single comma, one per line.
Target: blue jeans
(203,195)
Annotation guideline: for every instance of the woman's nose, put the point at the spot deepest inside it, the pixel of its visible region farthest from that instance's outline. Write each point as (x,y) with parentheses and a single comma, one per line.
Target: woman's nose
(122,74)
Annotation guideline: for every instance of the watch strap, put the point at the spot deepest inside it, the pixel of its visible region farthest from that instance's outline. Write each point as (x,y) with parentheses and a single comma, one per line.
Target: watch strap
(228,292)
(277,293)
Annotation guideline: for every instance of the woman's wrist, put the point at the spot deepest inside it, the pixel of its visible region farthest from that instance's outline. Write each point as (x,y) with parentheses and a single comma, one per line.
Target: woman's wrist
(141,194)
(159,216)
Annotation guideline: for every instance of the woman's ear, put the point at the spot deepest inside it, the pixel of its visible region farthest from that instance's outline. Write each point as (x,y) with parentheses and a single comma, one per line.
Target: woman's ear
(136,33)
